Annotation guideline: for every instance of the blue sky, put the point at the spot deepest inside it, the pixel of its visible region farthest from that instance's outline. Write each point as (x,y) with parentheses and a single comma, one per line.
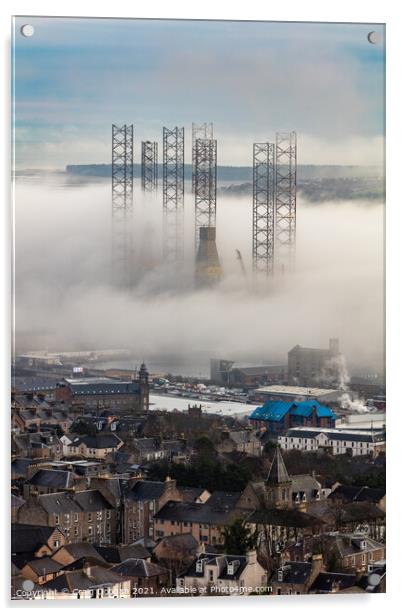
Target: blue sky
(75,77)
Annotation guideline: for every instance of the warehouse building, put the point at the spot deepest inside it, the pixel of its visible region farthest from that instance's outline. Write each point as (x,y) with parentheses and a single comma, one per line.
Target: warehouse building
(104,393)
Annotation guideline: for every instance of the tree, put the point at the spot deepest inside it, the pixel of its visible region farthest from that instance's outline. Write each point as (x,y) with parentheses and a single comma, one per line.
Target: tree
(83,427)
(204,447)
(239,539)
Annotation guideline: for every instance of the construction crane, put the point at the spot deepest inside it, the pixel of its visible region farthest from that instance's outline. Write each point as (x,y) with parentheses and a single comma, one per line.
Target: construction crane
(240,259)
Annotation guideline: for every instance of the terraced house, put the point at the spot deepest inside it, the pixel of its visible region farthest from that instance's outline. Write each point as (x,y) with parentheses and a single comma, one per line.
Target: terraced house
(82,516)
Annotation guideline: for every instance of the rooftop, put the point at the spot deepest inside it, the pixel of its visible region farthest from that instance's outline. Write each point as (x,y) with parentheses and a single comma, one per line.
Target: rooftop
(376,435)
(275,410)
(293,573)
(29,537)
(293,390)
(137,567)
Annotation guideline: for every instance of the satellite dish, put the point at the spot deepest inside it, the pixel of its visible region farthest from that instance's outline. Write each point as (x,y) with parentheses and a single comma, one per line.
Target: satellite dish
(372,37)
(374,579)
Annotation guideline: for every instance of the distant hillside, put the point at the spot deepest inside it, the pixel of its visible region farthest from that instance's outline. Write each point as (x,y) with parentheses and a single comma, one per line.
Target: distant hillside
(243,174)
(318,190)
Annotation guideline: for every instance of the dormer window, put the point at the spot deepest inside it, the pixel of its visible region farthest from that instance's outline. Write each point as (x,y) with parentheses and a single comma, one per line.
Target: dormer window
(199,566)
(232,566)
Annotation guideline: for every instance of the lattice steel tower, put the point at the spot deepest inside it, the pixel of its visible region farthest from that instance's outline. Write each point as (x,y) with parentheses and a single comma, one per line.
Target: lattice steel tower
(285,200)
(173,194)
(199,131)
(205,185)
(149,165)
(263,208)
(122,203)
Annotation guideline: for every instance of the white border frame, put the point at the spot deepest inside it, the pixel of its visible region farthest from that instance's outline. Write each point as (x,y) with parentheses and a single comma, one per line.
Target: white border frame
(386,11)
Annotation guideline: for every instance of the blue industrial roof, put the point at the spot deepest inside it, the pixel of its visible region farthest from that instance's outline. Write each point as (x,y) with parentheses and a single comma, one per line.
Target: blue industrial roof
(272,410)
(304,409)
(275,410)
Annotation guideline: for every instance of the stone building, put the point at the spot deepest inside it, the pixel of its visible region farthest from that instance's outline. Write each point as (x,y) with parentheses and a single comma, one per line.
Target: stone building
(82,516)
(101,393)
(281,490)
(223,574)
(141,501)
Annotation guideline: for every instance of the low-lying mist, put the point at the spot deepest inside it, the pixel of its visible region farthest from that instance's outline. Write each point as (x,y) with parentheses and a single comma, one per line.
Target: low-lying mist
(64,299)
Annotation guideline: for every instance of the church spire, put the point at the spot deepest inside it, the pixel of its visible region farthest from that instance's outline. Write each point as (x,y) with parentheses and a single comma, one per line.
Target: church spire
(277,473)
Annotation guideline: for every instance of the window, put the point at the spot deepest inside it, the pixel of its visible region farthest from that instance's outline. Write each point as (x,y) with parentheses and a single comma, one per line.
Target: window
(211,575)
(57,518)
(89,530)
(99,515)
(89,517)
(76,530)
(75,517)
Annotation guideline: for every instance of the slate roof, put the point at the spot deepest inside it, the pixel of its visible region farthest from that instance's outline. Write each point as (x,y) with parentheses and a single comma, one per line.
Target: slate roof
(146,490)
(33,383)
(345,544)
(357,493)
(80,550)
(179,543)
(118,554)
(44,566)
(146,445)
(59,502)
(102,440)
(29,537)
(52,479)
(325,581)
(137,567)
(101,386)
(83,561)
(196,512)
(360,512)
(291,518)
(65,502)
(221,561)
(277,473)
(79,580)
(16,501)
(335,434)
(223,501)
(190,495)
(304,483)
(172,444)
(91,500)
(296,573)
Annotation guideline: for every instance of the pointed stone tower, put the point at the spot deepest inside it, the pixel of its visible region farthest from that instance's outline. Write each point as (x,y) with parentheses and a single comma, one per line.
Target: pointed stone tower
(278,484)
